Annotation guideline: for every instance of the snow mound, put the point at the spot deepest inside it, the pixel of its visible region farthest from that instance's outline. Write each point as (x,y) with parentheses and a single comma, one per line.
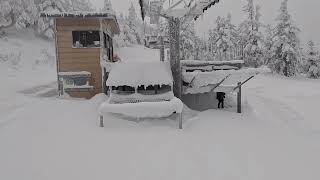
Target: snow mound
(138,73)
(144,109)
(138,54)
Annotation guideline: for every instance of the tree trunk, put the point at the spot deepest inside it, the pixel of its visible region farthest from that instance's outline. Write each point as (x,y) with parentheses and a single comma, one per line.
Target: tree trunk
(174,33)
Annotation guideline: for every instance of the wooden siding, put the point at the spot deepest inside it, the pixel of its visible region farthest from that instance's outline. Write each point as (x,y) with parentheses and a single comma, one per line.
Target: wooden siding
(79,59)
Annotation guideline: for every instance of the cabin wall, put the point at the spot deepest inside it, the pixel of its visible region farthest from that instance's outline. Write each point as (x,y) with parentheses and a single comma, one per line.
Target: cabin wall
(78,59)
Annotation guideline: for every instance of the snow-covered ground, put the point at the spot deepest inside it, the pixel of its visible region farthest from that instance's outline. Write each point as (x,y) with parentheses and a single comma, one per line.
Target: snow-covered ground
(48,138)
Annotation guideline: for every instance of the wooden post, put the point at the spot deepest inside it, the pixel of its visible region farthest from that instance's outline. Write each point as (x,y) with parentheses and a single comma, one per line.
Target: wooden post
(174,33)
(239,98)
(101,121)
(180,120)
(57,56)
(161,49)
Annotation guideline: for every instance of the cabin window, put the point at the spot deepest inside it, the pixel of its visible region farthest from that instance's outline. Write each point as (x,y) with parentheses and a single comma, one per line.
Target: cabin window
(108,45)
(86,39)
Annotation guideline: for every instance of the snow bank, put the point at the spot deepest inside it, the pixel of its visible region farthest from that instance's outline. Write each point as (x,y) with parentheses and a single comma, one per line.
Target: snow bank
(138,73)
(138,53)
(144,109)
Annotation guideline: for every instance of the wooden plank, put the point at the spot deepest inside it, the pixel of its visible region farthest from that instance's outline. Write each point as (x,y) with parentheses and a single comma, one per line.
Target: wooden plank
(79,50)
(83,56)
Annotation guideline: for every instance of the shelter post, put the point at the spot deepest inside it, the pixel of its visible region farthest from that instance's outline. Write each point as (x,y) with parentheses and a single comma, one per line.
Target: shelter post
(239,98)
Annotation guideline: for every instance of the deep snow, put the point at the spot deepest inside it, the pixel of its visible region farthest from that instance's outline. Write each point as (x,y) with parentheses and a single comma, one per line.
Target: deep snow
(48,138)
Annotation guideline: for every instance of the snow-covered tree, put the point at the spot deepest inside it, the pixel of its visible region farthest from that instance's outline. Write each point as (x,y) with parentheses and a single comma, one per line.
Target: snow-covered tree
(134,25)
(107,6)
(268,44)
(313,63)
(251,38)
(26,13)
(18,13)
(223,37)
(286,48)
(187,40)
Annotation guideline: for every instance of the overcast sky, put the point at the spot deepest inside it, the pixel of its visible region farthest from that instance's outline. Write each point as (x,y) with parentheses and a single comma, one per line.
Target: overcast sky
(305,13)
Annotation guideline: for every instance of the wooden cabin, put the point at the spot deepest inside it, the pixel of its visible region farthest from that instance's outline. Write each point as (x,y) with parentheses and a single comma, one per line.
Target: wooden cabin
(83,48)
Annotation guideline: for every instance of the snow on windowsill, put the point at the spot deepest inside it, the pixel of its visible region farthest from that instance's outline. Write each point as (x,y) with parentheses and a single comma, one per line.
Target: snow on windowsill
(70,87)
(79,73)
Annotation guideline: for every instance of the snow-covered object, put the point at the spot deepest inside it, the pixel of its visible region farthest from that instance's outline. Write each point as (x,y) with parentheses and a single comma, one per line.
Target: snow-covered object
(138,74)
(143,109)
(80,73)
(66,87)
(136,97)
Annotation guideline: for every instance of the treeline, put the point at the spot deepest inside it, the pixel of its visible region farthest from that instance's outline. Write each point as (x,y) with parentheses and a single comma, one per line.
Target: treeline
(22,14)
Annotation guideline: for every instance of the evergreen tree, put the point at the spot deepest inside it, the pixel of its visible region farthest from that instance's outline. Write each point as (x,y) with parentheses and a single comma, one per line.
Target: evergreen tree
(134,26)
(251,39)
(223,37)
(286,48)
(107,6)
(268,44)
(187,40)
(313,64)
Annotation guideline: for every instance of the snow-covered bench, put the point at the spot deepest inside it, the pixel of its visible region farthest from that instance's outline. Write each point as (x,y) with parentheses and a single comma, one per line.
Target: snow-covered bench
(141,90)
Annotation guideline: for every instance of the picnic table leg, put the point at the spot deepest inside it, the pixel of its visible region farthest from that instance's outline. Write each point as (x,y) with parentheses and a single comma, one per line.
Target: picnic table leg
(101,121)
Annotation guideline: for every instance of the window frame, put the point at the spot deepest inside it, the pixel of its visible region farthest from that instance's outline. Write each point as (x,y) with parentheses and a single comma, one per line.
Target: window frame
(87,31)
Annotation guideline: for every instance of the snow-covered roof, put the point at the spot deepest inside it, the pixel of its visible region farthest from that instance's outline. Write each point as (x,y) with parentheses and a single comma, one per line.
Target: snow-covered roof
(206,63)
(201,79)
(77,14)
(82,14)
(140,73)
